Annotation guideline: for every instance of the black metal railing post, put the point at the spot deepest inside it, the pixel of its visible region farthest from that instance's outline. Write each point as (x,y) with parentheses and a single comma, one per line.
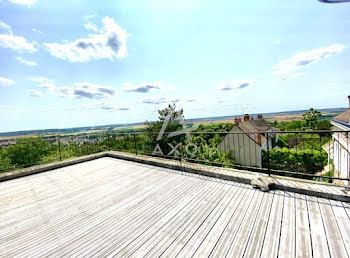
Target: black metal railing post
(135,145)
(268,153)
(59,147)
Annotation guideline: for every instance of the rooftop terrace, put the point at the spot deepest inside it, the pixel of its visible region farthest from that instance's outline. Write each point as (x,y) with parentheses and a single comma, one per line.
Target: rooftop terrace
(114,207)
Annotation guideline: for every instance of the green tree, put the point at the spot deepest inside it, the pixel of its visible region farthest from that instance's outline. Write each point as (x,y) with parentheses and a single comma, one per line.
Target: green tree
(27,152)
(311,118)
(153,129)
(324,124)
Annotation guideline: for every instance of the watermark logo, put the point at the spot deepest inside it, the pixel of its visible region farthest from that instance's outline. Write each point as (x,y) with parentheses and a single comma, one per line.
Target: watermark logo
(191,148)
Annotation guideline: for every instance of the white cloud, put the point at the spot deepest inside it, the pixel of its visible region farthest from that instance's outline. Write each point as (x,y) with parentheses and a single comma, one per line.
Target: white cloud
(40,79)
(43,82)
(17,43)
(304,59)
(23,2)
(4,82)
(277,42)
(110,108)
(81,90)
(71,108)
(38,31)
(26,62)
(99,105)
(5,28)
(143,87)
(108,43)
(159,100)
(35,93)
(92,91)
(91,26)
(236,85)
(291,76)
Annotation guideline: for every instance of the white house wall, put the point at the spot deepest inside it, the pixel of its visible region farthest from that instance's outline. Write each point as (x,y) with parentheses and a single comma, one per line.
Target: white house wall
(242,149)
(341,161)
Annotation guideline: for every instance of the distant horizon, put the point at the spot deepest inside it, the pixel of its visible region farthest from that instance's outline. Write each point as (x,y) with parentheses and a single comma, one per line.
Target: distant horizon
(188,119)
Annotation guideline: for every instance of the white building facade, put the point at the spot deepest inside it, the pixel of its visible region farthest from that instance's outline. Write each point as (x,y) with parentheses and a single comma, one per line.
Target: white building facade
(341,145)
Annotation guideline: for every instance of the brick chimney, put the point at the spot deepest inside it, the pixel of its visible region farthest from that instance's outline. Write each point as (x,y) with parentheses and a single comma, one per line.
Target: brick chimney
(260,116)
(246,117)
(238,120)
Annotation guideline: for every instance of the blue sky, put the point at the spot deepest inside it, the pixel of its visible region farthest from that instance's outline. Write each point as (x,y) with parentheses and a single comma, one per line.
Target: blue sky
(80,63)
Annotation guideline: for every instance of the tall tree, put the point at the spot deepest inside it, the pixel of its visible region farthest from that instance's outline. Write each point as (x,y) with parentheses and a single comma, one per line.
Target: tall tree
(311,118)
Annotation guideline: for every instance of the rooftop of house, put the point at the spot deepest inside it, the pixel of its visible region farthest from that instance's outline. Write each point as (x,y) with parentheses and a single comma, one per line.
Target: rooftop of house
(256,125)
(114,207)
(343,117)
(250,126)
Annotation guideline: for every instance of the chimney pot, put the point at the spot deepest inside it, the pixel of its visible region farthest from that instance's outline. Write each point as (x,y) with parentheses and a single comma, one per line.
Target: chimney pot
(238,120)
(246,117)
(260,116)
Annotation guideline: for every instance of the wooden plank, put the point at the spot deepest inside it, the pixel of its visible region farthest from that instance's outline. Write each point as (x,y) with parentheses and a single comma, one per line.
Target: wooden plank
(171,235)
(343,222)
(201,233)
(176,246)
(214,234)
(287,241)
(256,239)
(347,208)
(303,247)
(334,238)
(59,205)
(53,203)
(66,223)
(102,222)
(146,219)
(272,236)
(158,242)
(125,248)
(318,234)
(228,235)
(242,238)
(37,184)
(110,207)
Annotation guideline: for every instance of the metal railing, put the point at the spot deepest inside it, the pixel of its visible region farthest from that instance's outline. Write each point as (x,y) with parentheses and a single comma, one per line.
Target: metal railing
(315,155)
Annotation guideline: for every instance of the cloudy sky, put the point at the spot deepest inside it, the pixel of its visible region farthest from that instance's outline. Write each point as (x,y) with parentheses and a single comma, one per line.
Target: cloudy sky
(76,63)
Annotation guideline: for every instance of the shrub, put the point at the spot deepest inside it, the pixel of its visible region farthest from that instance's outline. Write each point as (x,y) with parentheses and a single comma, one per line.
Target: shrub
(306,160)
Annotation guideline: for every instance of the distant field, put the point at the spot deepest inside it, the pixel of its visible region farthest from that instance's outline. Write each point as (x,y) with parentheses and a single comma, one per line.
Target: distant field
(271,117)
(280,117)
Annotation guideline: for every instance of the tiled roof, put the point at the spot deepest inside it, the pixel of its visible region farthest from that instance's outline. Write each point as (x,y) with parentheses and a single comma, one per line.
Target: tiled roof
(343,117)
(259,125)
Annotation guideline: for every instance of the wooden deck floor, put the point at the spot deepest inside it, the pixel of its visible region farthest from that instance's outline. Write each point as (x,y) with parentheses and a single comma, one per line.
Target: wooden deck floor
(110,207)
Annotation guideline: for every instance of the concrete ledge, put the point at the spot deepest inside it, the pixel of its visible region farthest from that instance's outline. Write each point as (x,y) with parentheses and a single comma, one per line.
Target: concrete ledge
(42,168)
(308,187)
